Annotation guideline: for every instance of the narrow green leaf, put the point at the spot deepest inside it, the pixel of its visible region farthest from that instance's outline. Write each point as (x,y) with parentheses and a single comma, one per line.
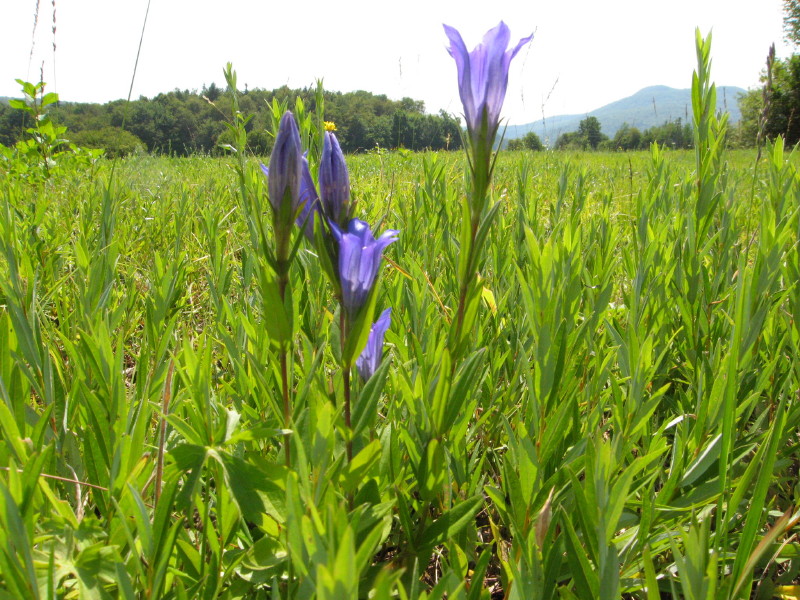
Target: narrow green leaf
(451,522)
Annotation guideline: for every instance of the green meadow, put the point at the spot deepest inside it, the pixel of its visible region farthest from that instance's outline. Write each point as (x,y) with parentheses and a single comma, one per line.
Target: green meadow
(591,389)
(625,422)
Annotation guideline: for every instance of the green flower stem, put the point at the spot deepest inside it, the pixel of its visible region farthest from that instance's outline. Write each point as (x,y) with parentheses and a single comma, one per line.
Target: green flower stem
(346,375)
(343,330)
(480,171)
(283,281)
(287,410)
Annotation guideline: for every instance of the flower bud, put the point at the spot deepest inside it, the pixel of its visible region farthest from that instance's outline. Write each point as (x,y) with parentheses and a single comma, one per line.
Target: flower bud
(334,181)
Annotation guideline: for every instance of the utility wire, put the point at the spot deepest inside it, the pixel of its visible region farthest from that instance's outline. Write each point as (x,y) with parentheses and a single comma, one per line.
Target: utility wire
(136,64)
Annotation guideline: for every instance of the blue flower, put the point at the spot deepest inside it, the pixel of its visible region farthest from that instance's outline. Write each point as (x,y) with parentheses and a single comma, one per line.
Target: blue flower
(359,260)
(309,201)
(370,358)
(483,76)
(285,165)
(307,198)
(334,181)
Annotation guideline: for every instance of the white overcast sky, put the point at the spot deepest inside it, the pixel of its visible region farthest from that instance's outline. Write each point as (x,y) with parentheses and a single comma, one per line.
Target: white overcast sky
(585,53)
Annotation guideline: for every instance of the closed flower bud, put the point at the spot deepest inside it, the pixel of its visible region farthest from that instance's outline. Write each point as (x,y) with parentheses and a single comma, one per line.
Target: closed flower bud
(334,182)
(285,165)
(309,201)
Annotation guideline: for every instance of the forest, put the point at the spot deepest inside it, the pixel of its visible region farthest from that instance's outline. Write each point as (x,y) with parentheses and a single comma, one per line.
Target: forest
(184,122)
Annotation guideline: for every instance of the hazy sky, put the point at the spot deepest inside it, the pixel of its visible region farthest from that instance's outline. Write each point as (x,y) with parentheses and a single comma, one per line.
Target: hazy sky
(585,53)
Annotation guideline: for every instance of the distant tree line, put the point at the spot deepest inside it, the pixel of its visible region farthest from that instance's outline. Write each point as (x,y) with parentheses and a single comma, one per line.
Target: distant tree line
(188,122)
(530,141)
(589,136)
(774,109)
(671,134)
(767,112)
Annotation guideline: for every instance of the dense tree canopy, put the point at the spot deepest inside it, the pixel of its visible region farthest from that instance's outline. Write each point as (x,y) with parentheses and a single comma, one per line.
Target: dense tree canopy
(671,134)
(186,122)
(627,138)
(589,129)
(588,136)
(781,116)
(783,104)
(530,141)
(774,109)
(791,20)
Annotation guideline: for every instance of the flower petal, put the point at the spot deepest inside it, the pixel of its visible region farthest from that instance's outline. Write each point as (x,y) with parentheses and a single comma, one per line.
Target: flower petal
(458,50)
(496,76)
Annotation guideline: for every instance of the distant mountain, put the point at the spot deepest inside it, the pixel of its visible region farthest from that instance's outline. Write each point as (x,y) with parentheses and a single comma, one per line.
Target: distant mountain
(647,108)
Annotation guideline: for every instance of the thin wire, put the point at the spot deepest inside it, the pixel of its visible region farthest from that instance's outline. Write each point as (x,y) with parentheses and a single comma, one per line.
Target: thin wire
(130,89)
(138,52)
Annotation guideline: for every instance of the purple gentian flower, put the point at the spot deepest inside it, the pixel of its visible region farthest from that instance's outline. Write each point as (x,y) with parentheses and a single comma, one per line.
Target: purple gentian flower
(483,75)
(370,359)
(334,181)
(285,164)
(308,199)
(359,260)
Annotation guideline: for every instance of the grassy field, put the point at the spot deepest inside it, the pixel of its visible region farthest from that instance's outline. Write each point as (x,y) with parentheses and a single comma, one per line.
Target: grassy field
(624,422)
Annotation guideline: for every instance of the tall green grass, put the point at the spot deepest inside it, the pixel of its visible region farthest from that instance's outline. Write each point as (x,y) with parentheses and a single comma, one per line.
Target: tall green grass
(623,422)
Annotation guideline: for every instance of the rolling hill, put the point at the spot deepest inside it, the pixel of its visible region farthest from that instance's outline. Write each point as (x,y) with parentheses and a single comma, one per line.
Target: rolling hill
(646,108)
